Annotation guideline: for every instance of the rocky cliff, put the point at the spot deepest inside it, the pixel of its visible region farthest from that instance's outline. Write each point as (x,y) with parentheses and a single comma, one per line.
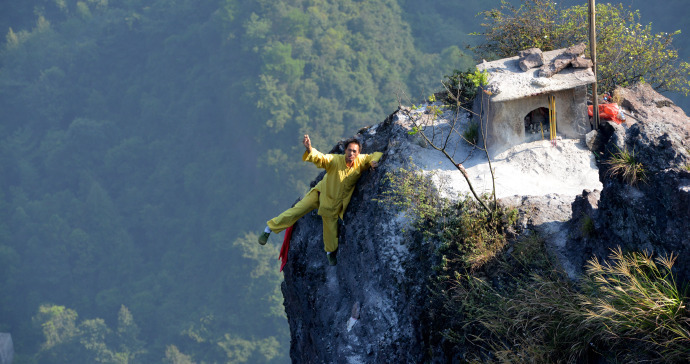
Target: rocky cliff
(380,280)
(654,213)
(370,308)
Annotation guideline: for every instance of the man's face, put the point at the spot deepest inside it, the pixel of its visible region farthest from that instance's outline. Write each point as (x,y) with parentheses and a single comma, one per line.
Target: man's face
(351,152)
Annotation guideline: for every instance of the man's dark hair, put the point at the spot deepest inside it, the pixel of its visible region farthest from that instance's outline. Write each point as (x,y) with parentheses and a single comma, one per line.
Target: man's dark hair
(352,140)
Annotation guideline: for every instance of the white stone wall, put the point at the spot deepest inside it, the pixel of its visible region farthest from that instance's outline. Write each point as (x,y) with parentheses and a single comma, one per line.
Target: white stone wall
(506,120)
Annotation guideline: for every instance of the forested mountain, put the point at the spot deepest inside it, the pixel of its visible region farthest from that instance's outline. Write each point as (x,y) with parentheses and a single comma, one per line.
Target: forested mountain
(143,143)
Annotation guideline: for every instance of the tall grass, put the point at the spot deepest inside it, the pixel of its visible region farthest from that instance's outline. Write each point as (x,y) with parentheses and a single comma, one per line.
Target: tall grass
(521,312)
(628,309)
(501,301)
(638,306)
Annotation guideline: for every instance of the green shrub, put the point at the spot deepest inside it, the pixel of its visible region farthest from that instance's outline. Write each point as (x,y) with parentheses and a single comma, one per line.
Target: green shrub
(472,237)
(462,86)
(409,189)
(587,226)
(471,133)
(628,52)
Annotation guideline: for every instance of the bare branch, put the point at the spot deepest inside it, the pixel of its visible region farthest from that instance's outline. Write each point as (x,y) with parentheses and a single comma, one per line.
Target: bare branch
(443,149)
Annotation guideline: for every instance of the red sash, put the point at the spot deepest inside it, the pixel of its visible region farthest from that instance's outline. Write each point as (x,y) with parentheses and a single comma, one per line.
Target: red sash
(285,247)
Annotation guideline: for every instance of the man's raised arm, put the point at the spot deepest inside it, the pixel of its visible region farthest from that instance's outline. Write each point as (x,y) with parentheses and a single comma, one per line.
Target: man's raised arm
(307,143)
(312,155)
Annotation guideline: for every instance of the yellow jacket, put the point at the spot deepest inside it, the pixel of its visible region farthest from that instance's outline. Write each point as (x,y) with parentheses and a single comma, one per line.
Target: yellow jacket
(336,187)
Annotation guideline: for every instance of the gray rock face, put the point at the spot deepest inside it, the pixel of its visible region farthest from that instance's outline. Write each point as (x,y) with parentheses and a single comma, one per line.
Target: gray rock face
(380,277)
(6,348)
(581,62)
(590,139)
(610,137)
(530,58)
(652,215)
(562,61)
(549,216)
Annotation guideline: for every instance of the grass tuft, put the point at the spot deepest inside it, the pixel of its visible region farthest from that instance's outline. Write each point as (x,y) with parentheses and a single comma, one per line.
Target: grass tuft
(587,227)
(617,98)
(624,165)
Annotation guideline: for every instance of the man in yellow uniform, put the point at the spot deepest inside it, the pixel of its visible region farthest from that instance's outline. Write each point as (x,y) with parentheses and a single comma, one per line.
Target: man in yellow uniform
(331,196)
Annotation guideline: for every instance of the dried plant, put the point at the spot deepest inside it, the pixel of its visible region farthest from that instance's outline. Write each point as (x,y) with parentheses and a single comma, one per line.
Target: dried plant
(638,306)
(628,309)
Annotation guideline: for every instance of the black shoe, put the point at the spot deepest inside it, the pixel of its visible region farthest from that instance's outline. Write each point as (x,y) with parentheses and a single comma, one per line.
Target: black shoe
(332,259)
(263,238)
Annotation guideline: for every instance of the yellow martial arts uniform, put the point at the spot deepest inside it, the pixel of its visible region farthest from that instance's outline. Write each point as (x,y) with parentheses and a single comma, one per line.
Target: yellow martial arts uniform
(331,196)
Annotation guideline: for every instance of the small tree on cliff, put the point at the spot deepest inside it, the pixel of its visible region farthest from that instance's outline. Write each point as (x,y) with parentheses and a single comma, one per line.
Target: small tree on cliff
(461,89)
(627,51)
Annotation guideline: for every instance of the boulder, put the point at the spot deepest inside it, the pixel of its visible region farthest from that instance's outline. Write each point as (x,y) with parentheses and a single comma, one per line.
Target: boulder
(644,103)
(582,62)
(562,61)
(368,308)
(590,139)
(530,58)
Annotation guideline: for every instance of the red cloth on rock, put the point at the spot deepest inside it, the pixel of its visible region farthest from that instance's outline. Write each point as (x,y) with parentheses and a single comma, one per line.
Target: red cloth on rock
(607,112)
(285,247)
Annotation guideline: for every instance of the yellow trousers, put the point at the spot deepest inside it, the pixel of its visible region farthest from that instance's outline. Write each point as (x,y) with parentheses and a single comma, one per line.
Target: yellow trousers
(301,208)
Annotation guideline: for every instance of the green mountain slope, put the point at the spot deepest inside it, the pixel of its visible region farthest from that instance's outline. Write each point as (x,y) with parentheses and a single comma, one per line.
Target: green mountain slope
(142,141)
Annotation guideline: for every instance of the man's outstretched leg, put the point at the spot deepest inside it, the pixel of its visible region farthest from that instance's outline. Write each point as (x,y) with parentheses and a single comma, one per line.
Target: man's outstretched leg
(330,238)
(290,216)
(263,238)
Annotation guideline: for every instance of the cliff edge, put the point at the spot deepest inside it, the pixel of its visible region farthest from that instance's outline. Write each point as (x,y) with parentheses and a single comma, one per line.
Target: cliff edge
(370,308)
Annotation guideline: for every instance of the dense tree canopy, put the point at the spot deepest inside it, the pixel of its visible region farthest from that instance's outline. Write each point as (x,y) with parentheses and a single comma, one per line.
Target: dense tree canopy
(627,51)
(135,138)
